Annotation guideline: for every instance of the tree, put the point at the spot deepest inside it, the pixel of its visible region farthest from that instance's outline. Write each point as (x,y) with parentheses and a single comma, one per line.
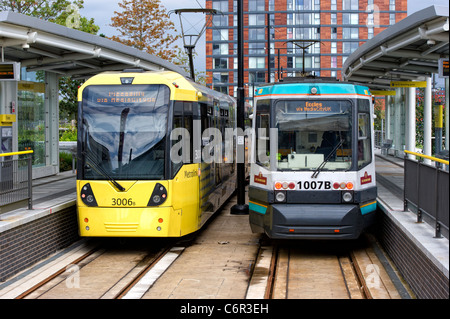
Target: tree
(145,25)
(63,12)
(43,9)
(182,60)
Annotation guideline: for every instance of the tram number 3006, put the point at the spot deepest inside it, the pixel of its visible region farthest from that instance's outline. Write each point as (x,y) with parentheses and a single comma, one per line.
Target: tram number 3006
(123,202)
(314,185)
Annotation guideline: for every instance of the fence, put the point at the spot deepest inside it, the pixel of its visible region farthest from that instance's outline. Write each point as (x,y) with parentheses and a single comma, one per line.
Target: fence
(426,192)
(15,180)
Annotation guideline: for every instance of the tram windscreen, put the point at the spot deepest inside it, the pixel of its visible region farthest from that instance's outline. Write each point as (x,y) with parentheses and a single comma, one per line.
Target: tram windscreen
(123,131)
(311,132)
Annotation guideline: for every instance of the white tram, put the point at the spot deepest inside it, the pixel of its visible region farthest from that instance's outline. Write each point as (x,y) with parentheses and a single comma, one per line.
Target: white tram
(312,166)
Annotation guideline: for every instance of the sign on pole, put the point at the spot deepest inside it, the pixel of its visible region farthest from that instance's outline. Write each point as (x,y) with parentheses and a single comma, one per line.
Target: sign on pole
(408,84)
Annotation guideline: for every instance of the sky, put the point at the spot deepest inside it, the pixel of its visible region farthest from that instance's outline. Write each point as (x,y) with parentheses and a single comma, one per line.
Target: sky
(103,10)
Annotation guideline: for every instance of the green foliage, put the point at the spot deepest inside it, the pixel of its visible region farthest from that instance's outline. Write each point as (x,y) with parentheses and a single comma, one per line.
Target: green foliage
(182,60)
(68,103)
(48,10)
(63,12)
(379,110)
(68,136)
(65,161)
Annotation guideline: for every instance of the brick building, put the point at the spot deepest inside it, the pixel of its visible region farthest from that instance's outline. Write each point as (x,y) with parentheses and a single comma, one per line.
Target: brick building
(338,26)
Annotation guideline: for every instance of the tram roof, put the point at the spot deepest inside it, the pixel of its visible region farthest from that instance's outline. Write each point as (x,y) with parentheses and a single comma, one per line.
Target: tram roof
(407,50)
(42,45)
(184,88)
(303,86)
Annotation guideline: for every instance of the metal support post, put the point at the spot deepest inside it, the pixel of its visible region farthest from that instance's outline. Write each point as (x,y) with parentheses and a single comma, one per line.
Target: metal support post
(427,120)
(240,208)
(30,182)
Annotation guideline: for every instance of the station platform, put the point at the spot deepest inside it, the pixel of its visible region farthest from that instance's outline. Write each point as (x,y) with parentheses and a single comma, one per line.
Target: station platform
(50,194)
(422,259)
(27,236)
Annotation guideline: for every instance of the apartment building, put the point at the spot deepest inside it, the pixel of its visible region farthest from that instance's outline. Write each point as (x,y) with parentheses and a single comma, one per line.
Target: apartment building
(330,29)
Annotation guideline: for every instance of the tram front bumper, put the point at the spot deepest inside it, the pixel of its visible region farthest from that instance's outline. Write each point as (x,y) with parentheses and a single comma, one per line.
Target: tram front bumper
(310,221)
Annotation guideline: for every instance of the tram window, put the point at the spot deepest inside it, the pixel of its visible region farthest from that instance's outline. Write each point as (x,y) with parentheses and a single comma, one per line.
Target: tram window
(311,131)
(364,134)
(262,139)
(183,119)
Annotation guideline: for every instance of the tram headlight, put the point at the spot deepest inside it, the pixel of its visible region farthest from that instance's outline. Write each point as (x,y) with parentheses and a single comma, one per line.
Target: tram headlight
(347,197)
(87,195)
(158,196)
(280,196)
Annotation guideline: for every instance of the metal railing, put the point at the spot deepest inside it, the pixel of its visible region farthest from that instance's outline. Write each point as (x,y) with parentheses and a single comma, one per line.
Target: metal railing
(15,180)
(426,192)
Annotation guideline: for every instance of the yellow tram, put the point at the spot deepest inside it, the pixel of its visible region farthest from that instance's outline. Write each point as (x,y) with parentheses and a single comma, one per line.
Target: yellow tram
(142,142)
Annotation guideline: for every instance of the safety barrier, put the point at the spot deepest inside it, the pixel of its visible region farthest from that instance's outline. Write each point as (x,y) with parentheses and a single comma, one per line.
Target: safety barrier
(15,180)
(426,191)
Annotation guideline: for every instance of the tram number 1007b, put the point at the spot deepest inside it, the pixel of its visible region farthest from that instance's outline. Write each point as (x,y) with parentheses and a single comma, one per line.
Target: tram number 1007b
(314,185)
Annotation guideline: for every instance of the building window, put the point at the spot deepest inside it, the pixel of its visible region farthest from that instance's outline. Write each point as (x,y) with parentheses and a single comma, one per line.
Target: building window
(391,18)
(220,20)
(289,34)
(256,5)
(257,34)
(350,18)
(369,32)
(304,4)
(307,33)
(220,48)
(220,63)
(289,19)
(256,62)
(334,62)
(221,89)
(349,47)
(350,5)
(257,77)
(333,47)
(391,5)
(333,18)
(333,5)
(333,33)
(221,5)
(350,33)
(256,19)
(317,18)
(316,4)
(220,34)
(256,48)
(290,5)
(220,77)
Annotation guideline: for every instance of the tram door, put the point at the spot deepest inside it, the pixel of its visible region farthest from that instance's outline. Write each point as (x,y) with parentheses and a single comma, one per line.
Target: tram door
(207,169)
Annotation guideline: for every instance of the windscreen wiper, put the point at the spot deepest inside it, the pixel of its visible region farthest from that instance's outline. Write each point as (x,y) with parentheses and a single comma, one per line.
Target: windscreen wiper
(318,169)
(102,172)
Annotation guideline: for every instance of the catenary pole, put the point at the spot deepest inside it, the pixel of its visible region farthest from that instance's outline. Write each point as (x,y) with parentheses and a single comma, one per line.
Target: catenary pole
(240,208)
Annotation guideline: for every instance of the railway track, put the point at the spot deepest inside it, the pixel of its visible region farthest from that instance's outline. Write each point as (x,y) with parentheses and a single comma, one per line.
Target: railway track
(99,271)
(323,270)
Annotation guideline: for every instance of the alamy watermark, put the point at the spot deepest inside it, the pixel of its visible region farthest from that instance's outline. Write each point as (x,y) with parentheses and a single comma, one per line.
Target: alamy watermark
(373,18)
(73,278)
(212,146)
(73,20)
